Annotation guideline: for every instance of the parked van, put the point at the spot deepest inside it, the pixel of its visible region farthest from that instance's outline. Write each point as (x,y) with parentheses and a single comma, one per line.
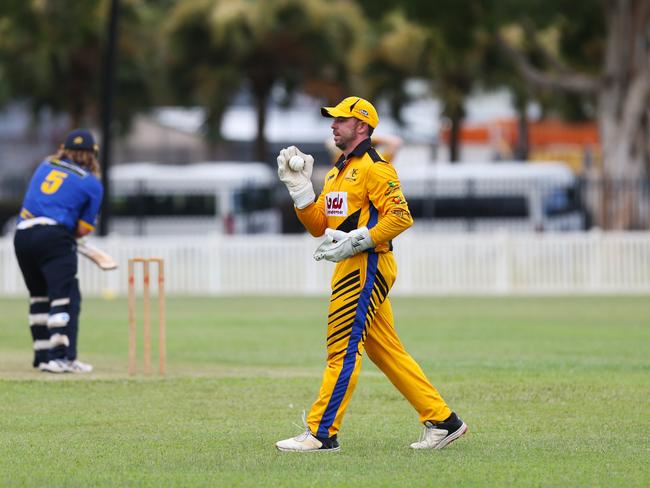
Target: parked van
(518,196)
(201,198)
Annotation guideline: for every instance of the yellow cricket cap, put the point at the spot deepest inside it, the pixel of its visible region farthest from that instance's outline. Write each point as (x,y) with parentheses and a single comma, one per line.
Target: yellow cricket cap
(356,107)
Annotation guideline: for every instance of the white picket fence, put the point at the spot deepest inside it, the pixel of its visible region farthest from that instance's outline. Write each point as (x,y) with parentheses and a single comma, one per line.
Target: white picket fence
(430,264)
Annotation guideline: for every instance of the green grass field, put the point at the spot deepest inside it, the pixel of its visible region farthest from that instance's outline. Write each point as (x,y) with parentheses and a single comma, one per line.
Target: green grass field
(555,391)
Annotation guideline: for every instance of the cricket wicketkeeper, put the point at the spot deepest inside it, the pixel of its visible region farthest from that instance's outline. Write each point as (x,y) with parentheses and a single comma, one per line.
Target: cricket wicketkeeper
(360,211)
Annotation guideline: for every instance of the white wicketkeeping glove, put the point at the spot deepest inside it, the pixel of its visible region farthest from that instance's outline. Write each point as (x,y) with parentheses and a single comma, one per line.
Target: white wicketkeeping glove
(339,245)
(298,182)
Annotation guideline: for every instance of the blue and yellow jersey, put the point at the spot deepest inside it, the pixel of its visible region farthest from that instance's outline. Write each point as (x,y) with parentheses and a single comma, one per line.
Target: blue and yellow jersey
(361,190)
(65,192)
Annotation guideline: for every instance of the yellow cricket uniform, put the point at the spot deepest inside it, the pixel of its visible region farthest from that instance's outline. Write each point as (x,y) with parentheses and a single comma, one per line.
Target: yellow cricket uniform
(364,190)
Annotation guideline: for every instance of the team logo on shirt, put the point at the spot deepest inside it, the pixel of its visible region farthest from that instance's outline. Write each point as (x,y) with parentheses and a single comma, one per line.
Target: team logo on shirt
(352,175)
(336,204)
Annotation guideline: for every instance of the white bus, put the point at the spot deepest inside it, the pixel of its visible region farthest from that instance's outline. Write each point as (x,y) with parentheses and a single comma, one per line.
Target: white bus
(200,198)
(517,196)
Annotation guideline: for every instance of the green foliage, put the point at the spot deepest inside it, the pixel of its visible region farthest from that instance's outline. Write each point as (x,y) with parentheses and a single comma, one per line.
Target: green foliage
(554,391)
(557,36)
(457,57)
(56,50)
(52,48)
(398,51)
(463,54)
(198,72)
(215,44)
(201,52)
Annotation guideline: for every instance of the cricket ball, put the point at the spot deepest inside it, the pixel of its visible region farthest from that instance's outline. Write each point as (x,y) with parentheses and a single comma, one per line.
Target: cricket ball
(296,163)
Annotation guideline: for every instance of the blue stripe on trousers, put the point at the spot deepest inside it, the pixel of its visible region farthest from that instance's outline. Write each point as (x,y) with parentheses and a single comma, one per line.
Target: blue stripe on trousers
(350,358)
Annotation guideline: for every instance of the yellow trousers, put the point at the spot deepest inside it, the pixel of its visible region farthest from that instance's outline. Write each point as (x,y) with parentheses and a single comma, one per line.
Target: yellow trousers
(361,318)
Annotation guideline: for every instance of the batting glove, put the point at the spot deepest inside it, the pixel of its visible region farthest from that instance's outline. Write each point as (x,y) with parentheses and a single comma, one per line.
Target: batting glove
(339,245)
(297,182)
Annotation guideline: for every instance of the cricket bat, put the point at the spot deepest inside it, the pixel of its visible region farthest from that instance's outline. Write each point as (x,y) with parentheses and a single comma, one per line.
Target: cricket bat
(96,255)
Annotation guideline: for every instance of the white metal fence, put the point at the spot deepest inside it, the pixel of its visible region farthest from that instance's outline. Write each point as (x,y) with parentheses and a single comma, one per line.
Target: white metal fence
(429,264)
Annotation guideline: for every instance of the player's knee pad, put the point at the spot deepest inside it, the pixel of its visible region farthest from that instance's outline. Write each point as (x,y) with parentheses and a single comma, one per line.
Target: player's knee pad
(39,310)
(42,345)
(38,319)
(60,302)
(38,304)
(58,320)
(59,340)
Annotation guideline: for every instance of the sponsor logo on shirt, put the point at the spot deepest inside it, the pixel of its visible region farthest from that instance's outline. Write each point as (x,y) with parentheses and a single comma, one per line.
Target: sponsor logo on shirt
(393,186)
(399,212)
(336,204)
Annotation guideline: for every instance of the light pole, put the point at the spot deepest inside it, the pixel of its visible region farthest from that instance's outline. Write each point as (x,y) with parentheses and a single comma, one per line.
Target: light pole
(108,95)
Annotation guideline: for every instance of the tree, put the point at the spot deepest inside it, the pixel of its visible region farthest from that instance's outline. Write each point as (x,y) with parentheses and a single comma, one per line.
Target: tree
(397,53)
(267,43)
(457,56)
(613,69)
(198,71)
(55,54)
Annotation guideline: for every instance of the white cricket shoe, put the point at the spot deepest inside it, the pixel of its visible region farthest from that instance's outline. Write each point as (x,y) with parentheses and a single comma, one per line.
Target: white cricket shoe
(55,366)
(441,434)
(307,442)
(77,366)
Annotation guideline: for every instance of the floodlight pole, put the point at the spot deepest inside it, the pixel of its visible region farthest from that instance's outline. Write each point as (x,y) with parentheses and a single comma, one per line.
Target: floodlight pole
(108,95)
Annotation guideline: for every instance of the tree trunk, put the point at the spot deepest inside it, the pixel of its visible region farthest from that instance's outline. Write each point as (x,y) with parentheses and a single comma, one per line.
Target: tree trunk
(522,146)
(623,113)
(454,139)
(212,130)
(262,92)
(455,88)
(623,97)
(456,113)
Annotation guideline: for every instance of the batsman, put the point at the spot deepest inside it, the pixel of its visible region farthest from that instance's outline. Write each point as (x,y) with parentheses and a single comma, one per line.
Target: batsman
(61,204)
(360,211)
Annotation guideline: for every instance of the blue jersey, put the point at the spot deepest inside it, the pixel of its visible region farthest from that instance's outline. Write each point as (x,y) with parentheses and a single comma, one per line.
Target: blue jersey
(65,192)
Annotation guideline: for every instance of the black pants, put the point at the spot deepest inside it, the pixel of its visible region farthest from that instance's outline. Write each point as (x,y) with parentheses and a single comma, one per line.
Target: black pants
(47,256)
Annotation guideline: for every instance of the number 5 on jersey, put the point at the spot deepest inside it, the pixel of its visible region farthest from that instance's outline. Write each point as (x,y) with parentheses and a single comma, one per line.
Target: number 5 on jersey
(53,181)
